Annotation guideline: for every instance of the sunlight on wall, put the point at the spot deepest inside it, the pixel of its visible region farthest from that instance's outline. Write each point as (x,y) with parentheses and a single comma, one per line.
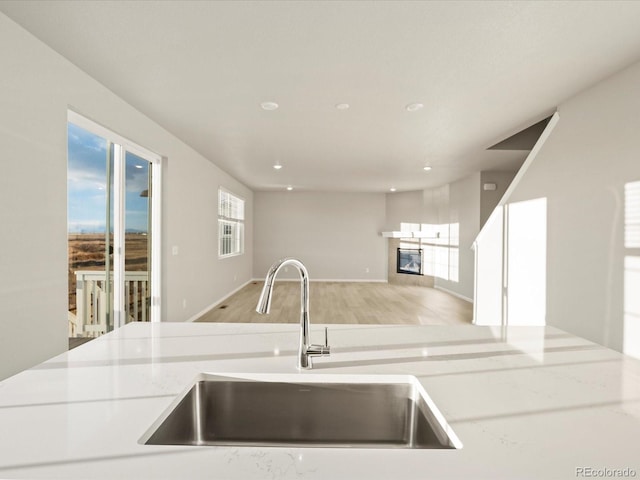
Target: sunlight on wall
(488,280)
(631,339)
(527,262)
(632,215)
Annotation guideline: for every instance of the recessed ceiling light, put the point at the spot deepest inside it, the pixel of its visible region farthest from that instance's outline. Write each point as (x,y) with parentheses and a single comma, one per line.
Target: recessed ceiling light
(342,106)
(277,166)
(269,105)
(427,168)
(392,189)
(414,107)
(289,188)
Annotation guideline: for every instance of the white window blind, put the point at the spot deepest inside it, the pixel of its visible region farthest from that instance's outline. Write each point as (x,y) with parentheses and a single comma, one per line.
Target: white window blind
(230,224)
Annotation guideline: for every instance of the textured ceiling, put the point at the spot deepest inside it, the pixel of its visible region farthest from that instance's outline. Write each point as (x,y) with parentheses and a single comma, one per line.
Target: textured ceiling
(483,70)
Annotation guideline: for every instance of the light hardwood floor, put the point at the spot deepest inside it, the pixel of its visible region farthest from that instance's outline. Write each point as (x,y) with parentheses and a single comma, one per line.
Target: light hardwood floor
(346,302)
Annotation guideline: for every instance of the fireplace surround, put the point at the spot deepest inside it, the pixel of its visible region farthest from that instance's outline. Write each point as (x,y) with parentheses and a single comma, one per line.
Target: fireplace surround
(395,278)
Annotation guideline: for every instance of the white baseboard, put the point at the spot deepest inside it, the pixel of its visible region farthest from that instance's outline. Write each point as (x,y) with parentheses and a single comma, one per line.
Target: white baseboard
(218,302)
(359,280)
(455,294)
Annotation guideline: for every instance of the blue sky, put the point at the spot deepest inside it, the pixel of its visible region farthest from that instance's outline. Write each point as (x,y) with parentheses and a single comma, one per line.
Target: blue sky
(87,185)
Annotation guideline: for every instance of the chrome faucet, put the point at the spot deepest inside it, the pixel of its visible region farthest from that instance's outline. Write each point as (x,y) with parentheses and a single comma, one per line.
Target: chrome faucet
(306,350)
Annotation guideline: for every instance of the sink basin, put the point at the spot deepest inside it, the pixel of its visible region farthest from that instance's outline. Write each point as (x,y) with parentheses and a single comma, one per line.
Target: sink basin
(304,411)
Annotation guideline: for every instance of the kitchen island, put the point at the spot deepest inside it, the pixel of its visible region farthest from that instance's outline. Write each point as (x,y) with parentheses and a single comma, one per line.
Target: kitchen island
(526,403)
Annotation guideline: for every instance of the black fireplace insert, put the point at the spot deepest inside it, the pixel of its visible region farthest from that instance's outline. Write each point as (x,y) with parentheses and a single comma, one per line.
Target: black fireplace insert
(409,261)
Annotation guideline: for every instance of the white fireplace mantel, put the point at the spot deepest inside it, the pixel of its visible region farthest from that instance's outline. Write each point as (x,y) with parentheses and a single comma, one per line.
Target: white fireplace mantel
(400,234)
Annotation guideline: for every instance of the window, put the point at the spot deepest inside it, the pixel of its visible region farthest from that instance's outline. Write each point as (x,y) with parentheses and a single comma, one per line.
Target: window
(440,244)
(230,224)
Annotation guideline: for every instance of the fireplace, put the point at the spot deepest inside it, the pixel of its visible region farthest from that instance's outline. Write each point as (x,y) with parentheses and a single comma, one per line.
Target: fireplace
(409,261)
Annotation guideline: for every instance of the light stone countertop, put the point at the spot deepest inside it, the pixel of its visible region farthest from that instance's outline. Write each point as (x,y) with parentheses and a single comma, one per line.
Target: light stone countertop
(526,402)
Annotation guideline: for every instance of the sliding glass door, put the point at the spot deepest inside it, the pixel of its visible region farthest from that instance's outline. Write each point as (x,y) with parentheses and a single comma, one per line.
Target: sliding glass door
(113,230)
(90,238)
(137,238)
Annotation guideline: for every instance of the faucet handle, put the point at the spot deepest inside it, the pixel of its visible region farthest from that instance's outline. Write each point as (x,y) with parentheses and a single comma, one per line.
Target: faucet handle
(314,350)
(326,349)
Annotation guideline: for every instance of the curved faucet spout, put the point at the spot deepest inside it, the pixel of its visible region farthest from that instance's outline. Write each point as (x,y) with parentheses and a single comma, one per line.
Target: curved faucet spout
(264,303)
(306,350)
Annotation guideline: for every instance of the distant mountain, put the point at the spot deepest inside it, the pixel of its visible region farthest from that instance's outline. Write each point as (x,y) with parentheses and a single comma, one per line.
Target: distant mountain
(79,230)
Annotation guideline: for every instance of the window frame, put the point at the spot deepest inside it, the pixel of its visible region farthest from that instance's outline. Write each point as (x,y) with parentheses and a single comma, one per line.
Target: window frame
(235,222)
(440,248)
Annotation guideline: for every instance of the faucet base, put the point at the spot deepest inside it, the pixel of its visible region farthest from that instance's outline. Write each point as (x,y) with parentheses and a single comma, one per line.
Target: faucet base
(305,361)
(305,350)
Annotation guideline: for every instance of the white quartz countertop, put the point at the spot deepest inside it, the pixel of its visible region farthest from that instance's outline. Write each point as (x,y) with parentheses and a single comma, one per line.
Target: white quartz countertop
(526,402)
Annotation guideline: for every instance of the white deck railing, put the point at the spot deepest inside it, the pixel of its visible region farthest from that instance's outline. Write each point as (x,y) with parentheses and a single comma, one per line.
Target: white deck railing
(91,301)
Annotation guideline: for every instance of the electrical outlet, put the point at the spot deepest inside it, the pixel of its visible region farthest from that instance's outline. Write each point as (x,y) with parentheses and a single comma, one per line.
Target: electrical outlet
(174,250)
(184,303)
(366,270)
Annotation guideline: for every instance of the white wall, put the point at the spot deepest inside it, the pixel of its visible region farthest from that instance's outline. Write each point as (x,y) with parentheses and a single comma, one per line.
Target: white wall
(490,198)
(36,87)
(336,235)
(581,171)
(417,206)
(404,207)
(463,208)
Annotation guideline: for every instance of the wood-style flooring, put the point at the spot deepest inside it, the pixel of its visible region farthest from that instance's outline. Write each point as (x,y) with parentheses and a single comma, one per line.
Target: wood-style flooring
(346,302)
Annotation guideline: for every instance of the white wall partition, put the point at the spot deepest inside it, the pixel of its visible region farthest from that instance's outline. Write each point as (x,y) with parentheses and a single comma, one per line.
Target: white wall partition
(582,171)
(511,266)
(511,252)
(631,339)
(631,326)
(488,295)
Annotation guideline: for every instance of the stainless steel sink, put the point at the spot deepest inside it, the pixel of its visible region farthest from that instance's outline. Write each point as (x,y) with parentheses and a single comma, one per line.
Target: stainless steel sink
(304,411)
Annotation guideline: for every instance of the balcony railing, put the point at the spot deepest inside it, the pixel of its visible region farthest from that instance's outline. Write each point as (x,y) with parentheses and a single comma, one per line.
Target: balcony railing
(92,304)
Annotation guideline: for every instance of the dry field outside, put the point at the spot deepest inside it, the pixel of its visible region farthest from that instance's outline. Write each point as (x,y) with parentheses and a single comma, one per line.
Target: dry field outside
(87,252)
